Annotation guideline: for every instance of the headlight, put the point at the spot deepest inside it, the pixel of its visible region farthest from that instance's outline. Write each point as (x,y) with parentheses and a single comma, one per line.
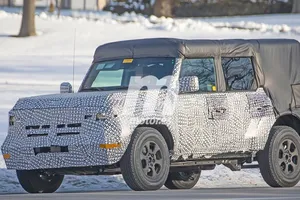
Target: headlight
(12,120)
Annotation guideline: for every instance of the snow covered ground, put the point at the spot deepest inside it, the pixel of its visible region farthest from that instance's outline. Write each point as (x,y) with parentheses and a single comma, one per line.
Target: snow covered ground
(37,65)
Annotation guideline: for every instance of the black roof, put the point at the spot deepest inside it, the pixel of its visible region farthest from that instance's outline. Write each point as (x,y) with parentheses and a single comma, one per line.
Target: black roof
(171,47)
(276,61)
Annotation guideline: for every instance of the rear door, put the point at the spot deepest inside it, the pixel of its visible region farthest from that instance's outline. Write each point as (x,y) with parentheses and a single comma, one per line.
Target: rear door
(250,108)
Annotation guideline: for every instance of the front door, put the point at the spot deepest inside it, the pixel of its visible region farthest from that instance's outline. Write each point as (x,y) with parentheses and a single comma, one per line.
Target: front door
(196,110)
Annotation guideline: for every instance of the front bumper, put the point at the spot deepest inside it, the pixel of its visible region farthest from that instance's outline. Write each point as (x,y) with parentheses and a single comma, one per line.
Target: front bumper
(78,155)
(52,138)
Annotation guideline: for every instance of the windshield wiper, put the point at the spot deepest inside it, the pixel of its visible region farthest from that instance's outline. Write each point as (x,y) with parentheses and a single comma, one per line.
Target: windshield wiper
(92,89)
(121,88)
(105,89)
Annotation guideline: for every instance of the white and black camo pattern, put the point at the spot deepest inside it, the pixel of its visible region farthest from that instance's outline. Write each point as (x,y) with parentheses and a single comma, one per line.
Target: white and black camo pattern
(188,84)
(203,124)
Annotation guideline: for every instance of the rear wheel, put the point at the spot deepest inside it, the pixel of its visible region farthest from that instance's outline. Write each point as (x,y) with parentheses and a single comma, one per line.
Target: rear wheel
(34,181)
(146,162)
(279,162)
(182,180)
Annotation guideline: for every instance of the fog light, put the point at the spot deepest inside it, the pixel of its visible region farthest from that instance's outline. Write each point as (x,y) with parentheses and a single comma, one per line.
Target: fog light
(11,120)
(6,156)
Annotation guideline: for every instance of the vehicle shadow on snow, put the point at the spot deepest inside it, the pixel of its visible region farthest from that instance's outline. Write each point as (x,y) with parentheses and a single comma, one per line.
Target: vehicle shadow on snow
(9,183)
(93,183)
(4,35)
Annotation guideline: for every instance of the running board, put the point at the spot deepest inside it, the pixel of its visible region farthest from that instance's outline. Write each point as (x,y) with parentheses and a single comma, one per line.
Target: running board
(232,164)
(250,166)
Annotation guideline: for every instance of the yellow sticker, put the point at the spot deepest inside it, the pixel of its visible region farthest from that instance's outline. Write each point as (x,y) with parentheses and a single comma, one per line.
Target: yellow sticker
(128,60)
(214,88)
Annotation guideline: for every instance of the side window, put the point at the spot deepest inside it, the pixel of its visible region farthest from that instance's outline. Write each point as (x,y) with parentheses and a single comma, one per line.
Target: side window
(204,69)
(239,73)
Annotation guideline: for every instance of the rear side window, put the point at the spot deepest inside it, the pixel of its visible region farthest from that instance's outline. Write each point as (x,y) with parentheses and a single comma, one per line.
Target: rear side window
(204,69)
(239,73)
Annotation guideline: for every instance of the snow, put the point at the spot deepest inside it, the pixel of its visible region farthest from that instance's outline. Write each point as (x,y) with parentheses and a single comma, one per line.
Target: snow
(37,65)
(221,177)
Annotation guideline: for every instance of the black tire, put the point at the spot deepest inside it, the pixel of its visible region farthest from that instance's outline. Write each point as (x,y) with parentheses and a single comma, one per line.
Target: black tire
(279,162)
(141,174)
(182,180)
(34,181)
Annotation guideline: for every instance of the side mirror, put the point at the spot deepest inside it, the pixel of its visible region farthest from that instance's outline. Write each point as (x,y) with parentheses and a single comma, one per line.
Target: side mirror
(188,84)
(66,87)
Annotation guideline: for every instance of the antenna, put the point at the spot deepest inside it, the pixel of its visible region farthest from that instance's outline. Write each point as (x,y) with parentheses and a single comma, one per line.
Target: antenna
(74,47)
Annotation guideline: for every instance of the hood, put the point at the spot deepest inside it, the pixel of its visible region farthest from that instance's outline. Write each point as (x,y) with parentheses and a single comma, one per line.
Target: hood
(71,100)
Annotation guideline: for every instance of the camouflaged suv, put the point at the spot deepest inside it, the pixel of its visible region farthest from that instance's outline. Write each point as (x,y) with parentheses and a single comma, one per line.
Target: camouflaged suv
(158,111)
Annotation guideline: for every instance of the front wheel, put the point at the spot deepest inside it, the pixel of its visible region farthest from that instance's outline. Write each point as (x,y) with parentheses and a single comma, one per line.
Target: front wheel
(146,162)
(279,162)
(182,180)
(34,181)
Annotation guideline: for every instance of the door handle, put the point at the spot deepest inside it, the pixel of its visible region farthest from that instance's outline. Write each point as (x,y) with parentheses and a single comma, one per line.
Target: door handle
(263,107)
(220,110)
(216,113)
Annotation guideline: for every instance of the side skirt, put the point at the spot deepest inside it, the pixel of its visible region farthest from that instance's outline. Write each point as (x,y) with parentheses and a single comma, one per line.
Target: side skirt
(235,162)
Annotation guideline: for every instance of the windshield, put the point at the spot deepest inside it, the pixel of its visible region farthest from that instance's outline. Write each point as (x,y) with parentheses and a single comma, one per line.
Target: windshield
(116,74)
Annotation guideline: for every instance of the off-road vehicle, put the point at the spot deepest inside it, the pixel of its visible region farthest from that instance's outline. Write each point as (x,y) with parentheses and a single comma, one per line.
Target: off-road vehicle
(158,111)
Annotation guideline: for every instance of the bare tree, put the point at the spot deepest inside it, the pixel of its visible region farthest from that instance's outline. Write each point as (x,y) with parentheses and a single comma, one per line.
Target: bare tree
(51,7)
(101,4)
(84,4)
(239,75)
(58,6)
(28,19)
(10,3)
(296,6)
(163,8)
(203,69)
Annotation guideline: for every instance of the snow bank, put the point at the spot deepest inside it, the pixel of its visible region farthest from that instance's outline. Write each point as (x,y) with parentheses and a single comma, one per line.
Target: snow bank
(169,24)
(254,26)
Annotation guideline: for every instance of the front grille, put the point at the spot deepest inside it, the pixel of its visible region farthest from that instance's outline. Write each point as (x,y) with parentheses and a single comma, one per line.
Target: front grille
(45,126)
(37,127)
(37,135)
(66,129)
(61,126)
(67,133)
(74,125)
(32,127)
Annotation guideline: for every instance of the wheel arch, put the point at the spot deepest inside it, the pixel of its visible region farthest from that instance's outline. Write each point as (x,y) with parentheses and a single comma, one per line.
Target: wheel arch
(164,131)
(290,120)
